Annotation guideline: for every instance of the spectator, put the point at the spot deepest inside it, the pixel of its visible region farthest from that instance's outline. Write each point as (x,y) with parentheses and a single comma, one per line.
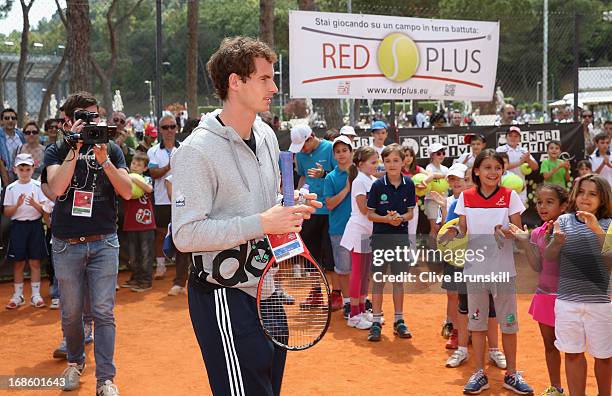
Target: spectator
(456,118)
(139,226)
(87,250)
(600,159)
(159,168)
(555,170)
(438,120)
(420,118)
(11,139)
(138,125)
(588,132)
(517,156)
(608,127)
(508,115)
(123,138)
(379,136)
(349,131)
(331,134)
(33,147)
(25,204)
(150,136)
(51,129)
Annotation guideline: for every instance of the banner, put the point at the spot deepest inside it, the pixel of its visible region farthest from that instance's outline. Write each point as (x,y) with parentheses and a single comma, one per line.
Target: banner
(534,138)
(333,55)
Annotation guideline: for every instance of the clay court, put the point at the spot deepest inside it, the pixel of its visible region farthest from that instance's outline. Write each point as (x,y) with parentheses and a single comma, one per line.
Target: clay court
(157,353)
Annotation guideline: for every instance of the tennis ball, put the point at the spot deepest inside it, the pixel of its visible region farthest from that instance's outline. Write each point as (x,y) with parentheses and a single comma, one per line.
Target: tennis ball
(526,169)
(440,185)
(418,178)
(513,182)
(457,245)
(137,192)
(398,57)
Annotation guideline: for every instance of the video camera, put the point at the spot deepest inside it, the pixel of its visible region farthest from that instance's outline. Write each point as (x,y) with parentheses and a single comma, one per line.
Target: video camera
(91,133)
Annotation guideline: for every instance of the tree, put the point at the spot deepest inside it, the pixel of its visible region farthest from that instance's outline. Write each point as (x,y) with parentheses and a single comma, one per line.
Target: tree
(106,76)
(191,63)
(55,76)
(4,9)
(266,21)
(79,31)
(23,59)
(332,108)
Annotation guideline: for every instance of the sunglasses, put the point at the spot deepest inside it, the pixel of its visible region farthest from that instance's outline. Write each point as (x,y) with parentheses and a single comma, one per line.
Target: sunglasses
(10,118)
(441,152)
(120,120)
(30,132)
(167,127)
(587,116)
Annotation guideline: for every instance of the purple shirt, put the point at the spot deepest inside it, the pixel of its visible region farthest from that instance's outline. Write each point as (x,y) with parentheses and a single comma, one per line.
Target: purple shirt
(548,281)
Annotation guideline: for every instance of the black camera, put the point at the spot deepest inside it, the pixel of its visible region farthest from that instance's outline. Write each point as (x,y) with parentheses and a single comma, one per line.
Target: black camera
(91,133)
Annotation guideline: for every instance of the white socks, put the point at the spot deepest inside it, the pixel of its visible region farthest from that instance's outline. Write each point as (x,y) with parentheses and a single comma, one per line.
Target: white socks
(35,288)
(19,289)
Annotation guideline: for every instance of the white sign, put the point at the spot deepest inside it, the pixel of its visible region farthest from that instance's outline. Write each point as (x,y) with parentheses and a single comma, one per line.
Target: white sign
(336,55)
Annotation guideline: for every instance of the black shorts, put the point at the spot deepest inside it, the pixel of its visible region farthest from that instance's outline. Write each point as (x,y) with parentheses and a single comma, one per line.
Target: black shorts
(315,234)
(462,308)
(451,285)
(380,243)
(27,241)
(163,215)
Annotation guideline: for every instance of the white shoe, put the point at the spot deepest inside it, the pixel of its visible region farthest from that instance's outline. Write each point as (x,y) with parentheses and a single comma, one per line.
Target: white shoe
(498,358)
(359,322)
(37,301)
(108,389)
(370,317)
(160,271)
(176,290)
(55,303)
(457,358)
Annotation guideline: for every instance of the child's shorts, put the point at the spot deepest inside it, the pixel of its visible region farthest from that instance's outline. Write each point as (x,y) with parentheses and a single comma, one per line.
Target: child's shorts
(462,307)
(27,241)
(342,257)
(542,308)
(504,299)
(431,209)
(452,285)
(584,327)
(386,246)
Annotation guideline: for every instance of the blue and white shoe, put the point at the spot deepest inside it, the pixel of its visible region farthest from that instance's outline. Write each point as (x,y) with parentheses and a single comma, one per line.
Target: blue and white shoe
(477,383)
(517,384)
(88,333)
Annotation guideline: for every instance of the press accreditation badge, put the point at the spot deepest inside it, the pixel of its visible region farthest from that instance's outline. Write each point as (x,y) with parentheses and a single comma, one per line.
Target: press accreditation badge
(82,203)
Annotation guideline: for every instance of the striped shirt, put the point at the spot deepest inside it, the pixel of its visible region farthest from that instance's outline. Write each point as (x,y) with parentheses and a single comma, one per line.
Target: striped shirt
(583,275)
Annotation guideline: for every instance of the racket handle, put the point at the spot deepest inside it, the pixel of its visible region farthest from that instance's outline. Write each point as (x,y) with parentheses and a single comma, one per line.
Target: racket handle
(286,168)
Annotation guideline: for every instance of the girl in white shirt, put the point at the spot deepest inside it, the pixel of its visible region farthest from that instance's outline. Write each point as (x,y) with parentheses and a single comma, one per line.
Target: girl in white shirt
(357,233)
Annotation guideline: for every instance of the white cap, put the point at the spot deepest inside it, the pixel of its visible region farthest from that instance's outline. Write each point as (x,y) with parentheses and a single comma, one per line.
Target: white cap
(343,139)
(24,158)
(457,169)
(348,131)
(299,134)
(434,148)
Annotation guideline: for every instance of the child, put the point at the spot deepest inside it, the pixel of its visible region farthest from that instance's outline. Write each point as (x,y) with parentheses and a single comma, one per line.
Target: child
(477,143)
(485,212)
(391,202)
(437,171)
(584,168)
(336,191)
(379,135)
(583,311)
(26,204)
(600,159)
(357,232)
(410,169)
(517,156)
(139,227)
(551,203)
(554,170)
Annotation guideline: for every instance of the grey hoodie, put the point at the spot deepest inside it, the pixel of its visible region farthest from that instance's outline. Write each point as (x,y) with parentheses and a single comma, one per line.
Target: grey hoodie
(220,188)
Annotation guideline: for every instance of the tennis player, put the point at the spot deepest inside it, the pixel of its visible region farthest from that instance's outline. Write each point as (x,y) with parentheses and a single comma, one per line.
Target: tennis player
(225,200)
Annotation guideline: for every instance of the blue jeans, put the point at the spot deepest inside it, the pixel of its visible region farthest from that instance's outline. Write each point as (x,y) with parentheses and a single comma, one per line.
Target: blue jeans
(92,264)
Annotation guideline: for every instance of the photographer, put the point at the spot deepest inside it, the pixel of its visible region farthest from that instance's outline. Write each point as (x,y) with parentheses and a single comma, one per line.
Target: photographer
(86,178)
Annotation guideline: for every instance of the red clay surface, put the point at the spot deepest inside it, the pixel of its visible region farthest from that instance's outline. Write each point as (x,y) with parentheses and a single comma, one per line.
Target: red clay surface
(157,353)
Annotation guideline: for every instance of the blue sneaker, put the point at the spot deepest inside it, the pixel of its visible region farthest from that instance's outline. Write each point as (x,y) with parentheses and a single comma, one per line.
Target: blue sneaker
(517,384)
(88,333)
(375,332)
(477,383)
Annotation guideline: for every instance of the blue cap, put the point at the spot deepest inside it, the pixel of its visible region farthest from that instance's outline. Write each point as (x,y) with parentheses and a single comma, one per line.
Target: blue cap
(378,125)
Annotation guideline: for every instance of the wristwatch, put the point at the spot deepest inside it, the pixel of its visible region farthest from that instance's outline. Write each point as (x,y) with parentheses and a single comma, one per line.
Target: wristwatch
(106,163)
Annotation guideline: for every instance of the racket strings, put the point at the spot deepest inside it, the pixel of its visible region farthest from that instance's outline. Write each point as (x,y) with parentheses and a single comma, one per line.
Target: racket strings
(297,313)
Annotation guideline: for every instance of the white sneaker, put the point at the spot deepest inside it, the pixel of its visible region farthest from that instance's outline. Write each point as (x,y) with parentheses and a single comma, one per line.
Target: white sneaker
(108,389)
(370,317)
(176,290)
(55,303)
(457,358)
(160,271)
(72,376)
(359,322)
(498,358)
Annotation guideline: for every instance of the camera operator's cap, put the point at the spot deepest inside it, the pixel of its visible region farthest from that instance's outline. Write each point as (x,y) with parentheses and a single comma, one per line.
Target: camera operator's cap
(348,130)
(24,159)
(458,170)
(468,138)
(514,129)
(434,148)
(378,125)
(299,134)
(150,130)
(342,139)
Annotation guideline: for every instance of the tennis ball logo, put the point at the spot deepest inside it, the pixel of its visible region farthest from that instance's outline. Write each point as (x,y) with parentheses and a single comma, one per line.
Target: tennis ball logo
(398,57)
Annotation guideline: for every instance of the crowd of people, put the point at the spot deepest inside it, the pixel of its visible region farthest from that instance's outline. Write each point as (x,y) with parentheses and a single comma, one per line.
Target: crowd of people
(369,201)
